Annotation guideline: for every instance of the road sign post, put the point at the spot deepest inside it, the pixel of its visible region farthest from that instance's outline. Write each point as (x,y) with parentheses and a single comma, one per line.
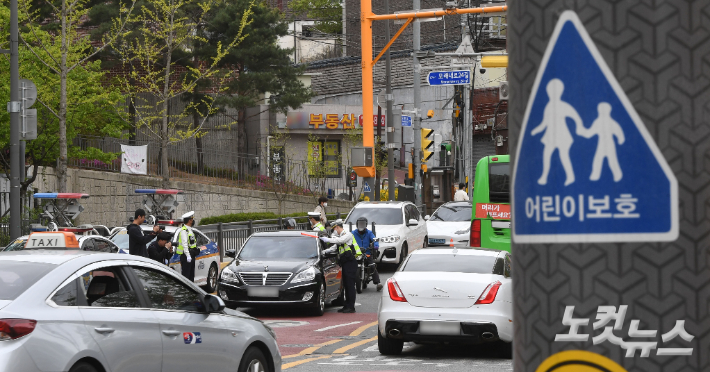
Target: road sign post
(596,166)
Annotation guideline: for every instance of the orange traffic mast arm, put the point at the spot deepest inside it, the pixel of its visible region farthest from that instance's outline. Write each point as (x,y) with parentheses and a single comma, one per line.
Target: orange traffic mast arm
(438,13)
(392,41)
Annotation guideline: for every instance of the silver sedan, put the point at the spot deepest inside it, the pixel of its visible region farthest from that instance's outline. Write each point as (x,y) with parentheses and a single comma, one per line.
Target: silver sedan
(90,312)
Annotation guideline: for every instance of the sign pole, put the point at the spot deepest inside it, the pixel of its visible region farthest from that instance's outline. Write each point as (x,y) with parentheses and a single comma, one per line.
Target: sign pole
(14,110)
(416,39)
(620,284)
(389,114)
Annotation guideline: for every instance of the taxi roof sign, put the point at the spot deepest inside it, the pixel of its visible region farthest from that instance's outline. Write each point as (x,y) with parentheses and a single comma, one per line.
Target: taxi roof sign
(60,195)
(52,240)
(158,191)
(589,169)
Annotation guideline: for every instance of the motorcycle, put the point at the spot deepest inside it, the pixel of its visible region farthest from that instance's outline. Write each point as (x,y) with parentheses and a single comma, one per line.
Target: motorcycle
(364,271)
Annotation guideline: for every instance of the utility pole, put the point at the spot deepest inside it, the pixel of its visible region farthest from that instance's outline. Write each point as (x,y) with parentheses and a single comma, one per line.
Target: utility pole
(389,114)
(378,153)
(416,28)
(13,107)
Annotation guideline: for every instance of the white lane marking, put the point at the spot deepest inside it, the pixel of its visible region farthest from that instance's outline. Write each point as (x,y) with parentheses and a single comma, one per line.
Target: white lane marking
(335,326)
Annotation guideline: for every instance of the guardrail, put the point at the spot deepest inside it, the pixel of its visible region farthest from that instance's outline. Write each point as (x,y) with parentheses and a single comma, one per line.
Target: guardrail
(231,236)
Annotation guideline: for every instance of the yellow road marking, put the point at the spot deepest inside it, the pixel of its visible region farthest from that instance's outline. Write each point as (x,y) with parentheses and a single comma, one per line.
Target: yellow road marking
(362,329)
(311,349)
(352,346)
(298,363)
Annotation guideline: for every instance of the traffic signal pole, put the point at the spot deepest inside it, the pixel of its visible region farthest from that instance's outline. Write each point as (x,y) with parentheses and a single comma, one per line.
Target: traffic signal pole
(366,19)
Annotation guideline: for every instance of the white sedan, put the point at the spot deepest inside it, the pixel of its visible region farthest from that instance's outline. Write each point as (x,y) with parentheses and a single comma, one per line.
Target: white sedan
(448,295)
(450,224)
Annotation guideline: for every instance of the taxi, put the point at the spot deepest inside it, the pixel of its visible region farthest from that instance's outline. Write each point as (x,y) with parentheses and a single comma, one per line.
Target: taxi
(84,235)
(207,263)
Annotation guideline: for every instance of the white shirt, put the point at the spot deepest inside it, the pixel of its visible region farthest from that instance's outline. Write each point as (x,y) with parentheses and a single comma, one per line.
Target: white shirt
(338,239)
(461,195)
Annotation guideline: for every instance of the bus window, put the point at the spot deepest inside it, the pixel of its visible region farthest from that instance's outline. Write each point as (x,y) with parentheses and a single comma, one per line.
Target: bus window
(499,182)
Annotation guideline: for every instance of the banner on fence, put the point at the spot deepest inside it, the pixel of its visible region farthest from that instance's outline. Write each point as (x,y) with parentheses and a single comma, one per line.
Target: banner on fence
(133,159)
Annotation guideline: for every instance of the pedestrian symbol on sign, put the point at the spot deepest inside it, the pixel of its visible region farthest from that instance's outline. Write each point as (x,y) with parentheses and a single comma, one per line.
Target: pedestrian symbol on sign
(588,170)
(366,187)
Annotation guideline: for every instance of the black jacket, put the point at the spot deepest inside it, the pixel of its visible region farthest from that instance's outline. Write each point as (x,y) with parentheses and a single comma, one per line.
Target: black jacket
(137,240)
(158,253)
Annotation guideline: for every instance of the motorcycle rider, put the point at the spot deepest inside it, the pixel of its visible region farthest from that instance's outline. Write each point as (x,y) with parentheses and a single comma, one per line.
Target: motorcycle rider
(366,240)
(348,252)
(290,224)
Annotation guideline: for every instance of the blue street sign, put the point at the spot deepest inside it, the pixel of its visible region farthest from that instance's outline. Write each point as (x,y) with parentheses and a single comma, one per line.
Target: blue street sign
(406,121)
(458,77)
(366,187)
(587,169)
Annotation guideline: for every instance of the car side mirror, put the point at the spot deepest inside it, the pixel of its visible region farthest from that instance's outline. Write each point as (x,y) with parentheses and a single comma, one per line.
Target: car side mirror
(413,222)
(214,304)
(231,253)
(426,218)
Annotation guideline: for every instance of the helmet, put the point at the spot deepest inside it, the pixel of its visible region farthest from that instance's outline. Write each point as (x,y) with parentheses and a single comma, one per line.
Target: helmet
(290,223)
(361,224)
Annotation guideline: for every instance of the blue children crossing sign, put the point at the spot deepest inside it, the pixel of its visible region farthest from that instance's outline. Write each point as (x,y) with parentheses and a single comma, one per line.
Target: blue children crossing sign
(587,169)
(366,187)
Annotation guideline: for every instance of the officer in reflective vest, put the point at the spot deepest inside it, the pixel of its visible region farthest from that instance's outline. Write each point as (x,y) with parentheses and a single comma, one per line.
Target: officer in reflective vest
(187,246)
(314,217)
(348,252)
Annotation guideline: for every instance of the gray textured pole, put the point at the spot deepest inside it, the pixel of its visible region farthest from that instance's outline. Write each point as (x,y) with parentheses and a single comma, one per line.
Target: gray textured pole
(416,28)
(388,115)
(15,218)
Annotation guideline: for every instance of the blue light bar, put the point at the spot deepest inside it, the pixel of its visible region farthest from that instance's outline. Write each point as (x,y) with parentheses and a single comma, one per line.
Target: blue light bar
(60,195)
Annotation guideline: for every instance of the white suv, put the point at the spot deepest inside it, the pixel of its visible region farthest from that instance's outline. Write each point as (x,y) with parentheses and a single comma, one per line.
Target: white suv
(399,226)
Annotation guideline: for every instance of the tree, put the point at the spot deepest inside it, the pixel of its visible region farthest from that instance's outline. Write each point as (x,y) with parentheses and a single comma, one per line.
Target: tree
(167,30)
(328,13)
(63,51)
(261,66)
(89,102)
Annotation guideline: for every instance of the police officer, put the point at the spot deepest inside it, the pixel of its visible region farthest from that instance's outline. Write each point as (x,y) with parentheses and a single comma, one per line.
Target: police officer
(187,246)
(314,218)
(366,239)
(348,252)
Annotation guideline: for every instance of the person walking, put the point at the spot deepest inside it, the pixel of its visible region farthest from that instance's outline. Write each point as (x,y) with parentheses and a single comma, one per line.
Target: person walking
(136,239)
(187,246)
(161,249)
(461,194)
(316,225)
(320,209)
(348,252)
(366,240)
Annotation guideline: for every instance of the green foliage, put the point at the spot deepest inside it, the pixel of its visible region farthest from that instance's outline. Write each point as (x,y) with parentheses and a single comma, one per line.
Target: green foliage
(243,217)
(329,13)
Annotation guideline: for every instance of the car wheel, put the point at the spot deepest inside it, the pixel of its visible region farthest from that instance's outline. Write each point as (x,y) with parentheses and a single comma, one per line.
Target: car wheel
(82,367)
(403,253)
(319,306)
(506,349)
(426,242)
(253,361)
(388,346)
(211,286)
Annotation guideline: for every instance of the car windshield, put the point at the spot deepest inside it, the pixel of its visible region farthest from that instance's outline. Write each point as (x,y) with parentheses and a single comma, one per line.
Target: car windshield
(452,213)
(121,240)
(279,247)
(17,276)
(470,264)
(17,245)
(380,216)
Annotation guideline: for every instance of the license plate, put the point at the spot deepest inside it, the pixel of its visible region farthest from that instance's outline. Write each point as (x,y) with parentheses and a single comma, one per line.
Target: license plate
(440,328)
(262,292)
(437,241)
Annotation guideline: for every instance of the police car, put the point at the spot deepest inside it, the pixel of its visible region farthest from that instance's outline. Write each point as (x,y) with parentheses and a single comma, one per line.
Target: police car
(207,262)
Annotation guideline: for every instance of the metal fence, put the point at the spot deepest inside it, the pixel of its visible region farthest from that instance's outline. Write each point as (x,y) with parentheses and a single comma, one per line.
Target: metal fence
(223,168)
(26,205)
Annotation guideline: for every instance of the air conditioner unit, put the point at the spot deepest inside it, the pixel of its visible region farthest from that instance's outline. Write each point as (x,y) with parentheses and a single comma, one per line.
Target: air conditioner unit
(503,91)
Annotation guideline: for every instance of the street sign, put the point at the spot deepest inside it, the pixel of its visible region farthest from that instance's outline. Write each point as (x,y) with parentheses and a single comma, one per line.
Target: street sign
(457,77)
(406,121)
(603,181)
(366,187)
(352,179)
(29,124)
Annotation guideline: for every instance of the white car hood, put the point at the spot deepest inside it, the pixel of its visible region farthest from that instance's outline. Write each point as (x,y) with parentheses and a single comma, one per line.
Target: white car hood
(447,229)
(4,303)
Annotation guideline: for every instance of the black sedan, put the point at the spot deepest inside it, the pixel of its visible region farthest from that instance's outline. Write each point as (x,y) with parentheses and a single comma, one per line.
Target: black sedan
(281,268)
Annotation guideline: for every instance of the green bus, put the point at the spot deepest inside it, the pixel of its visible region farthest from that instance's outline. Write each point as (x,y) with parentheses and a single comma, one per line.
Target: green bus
(490,220)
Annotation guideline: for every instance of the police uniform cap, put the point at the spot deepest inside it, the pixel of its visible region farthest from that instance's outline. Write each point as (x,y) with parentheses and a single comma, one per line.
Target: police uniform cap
(314,214)
(338,222)
(189,214)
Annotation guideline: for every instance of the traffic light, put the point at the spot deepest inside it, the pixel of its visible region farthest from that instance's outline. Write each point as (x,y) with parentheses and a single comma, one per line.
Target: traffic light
(427,143)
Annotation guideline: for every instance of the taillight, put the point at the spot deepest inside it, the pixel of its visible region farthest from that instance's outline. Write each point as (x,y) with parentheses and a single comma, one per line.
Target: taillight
(489,294)
(11,329)
(394,290)
(475,237)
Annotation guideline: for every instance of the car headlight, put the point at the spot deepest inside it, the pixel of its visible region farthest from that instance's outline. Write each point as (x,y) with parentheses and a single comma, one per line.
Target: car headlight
(229,276)
(306,275)
(390,239)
